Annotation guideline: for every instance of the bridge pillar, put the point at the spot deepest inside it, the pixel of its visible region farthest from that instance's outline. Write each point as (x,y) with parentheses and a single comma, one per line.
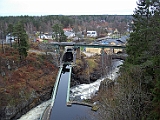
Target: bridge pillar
(102,57)
(78,53)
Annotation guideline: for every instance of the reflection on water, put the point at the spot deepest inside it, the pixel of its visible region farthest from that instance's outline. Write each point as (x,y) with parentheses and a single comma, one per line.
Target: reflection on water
(74,112)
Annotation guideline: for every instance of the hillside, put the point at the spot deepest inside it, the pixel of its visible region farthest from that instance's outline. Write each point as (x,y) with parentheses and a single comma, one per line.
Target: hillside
(26,82)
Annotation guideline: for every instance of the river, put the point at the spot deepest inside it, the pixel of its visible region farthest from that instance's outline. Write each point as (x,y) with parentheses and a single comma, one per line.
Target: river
(79,92)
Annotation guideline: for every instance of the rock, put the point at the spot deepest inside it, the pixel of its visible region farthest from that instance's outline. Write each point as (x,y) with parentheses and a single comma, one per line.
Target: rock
(95,107)
(79,74)
(2,113)
(106,84)
(16,111)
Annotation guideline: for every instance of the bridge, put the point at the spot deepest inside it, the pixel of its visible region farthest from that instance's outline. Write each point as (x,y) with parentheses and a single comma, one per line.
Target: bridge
(109,49)
(76,45)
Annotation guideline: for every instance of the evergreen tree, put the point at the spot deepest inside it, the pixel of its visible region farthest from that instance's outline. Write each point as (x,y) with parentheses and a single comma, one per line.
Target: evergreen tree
(10,32)
(22,39)
(59,33)
(139,39)
(10,28)
(155,58)
(143,49)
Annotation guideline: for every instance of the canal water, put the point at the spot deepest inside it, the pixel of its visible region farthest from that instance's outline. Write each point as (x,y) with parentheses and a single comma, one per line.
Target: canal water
(60,110)
(79,92)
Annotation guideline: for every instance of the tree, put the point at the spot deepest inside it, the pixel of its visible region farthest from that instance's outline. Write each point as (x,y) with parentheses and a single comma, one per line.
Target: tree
(59,33)
(143,50)
(138,42)
(10,28)
(22,40)
(9,32)
(155,57)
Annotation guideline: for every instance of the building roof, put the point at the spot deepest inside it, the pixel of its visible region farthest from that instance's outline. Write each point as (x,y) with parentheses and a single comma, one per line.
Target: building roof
(69,34)
(67,29)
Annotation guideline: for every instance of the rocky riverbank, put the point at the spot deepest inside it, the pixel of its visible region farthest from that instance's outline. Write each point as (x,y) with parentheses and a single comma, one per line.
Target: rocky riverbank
(87,70)
(12,112)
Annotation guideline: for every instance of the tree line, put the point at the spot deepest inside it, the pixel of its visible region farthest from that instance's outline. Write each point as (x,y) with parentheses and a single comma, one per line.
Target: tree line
(77,22)
(34,23)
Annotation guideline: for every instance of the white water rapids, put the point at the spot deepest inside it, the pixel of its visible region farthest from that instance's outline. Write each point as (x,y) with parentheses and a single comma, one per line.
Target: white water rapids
(86,91)
(83,91)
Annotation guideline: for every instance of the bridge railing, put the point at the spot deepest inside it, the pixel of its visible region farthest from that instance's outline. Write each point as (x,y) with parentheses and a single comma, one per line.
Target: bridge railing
(56,86)
(85,45)
(68,90)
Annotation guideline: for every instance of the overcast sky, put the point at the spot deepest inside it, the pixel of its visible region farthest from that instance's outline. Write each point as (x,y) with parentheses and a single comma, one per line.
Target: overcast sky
(66,7)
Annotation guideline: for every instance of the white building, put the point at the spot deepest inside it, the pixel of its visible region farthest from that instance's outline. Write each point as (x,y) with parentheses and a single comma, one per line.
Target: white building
(9,38)
(91,33)
(69,34)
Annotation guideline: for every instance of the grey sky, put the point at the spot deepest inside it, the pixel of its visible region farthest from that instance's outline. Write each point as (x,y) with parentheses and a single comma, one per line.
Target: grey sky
(67,7)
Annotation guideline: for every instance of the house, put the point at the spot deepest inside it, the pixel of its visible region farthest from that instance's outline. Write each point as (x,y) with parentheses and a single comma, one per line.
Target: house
(68,29)
(46,36)
(116,31)
(49,35)
(109,30)
(69,34)
(91,33)
(43,36)
(10,38)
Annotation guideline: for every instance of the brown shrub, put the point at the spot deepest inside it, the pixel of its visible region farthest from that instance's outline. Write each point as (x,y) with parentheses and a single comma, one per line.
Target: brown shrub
(30,69)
